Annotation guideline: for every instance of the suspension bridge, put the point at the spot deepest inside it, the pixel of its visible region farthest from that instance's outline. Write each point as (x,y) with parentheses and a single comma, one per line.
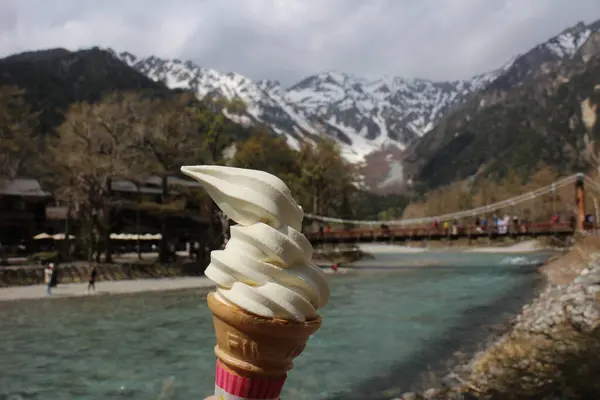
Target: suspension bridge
(537,213)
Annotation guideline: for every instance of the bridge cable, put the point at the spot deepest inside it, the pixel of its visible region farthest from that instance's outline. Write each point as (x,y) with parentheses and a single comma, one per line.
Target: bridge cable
(460,214)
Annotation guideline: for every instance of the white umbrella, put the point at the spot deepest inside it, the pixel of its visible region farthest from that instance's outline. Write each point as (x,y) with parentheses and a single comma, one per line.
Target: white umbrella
(42,235)
(61,236)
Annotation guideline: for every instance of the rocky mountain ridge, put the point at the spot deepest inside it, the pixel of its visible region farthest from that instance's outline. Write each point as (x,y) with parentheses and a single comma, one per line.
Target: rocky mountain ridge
(521,127)
(363,115)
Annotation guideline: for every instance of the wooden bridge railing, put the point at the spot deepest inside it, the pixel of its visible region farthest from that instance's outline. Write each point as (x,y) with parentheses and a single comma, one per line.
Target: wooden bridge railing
(422,232)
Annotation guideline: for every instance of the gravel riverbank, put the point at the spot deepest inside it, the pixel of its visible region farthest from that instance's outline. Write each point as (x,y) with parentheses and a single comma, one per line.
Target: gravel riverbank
(550,352)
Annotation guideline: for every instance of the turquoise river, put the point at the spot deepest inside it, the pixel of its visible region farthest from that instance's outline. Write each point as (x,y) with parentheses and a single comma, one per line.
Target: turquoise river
(388,323)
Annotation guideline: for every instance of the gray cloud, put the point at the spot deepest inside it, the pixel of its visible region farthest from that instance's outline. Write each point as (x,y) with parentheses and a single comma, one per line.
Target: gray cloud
(290,39)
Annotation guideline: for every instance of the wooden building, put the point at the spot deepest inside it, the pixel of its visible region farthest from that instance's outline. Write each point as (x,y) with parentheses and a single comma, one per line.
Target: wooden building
(144,208)
(22,210)
(26,210)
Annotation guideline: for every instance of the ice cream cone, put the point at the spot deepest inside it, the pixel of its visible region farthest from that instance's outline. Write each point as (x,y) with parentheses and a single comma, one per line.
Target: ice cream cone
(254,353)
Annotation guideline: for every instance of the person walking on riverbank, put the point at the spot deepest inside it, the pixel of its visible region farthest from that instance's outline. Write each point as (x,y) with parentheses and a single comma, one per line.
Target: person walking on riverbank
(48,272)
(92,280)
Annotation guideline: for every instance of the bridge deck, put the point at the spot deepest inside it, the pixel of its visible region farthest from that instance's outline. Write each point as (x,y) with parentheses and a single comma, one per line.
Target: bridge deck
(430,233)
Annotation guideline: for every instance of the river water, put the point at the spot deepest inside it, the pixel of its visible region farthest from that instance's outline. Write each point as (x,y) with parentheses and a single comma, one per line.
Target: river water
(387,323)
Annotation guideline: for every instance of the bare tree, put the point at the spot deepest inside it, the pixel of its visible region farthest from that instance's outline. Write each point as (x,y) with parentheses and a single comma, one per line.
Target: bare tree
(212,121)
(172,139)
(97,143)
(325,178)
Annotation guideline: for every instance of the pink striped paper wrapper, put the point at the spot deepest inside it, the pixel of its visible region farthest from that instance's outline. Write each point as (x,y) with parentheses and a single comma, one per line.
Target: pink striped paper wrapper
(229,386)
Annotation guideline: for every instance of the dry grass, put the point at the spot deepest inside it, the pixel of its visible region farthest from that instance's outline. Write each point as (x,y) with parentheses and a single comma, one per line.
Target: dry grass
(525,366)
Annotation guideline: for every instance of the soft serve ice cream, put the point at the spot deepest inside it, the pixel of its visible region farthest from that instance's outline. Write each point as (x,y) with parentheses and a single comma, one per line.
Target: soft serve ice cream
(266,266)
(268,291)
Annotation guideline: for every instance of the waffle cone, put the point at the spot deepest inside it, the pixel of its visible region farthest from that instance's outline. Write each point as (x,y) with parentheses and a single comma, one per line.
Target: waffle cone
(257,347)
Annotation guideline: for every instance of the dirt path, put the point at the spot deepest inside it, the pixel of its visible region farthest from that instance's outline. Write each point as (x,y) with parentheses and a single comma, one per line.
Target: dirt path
(105,287)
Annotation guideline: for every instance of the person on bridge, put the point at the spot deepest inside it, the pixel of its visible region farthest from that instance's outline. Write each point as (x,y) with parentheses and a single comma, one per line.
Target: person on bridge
(588,221)
(385,229)
(515,224)
(505,224)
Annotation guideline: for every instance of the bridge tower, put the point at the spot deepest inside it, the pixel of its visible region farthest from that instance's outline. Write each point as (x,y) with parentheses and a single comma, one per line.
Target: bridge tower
(580,202)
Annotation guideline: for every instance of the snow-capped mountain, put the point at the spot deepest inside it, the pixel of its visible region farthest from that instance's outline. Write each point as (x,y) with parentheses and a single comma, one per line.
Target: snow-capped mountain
(389,110)
(361,114)
(366,116)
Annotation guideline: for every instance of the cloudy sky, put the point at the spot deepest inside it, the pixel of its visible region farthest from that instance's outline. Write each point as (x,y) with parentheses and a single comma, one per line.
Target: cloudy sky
(290,39)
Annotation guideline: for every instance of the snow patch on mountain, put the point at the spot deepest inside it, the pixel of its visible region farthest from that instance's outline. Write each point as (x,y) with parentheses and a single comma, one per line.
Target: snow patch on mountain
(566,44)
(395,174)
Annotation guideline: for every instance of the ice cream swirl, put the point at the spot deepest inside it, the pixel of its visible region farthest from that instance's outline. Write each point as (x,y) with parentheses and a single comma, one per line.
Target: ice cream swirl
(266,266)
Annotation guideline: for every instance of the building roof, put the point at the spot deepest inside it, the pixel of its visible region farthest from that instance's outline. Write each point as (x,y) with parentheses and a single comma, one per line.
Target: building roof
(173,180)
(22,187)
(152,184)
(31,187)
(122,185)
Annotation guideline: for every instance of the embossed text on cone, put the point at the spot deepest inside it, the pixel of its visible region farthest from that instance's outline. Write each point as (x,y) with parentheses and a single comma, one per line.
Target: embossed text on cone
(257,347)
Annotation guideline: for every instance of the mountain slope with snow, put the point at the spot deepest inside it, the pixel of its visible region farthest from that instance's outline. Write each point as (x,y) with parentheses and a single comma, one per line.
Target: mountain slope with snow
(361,114)
(530,116)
